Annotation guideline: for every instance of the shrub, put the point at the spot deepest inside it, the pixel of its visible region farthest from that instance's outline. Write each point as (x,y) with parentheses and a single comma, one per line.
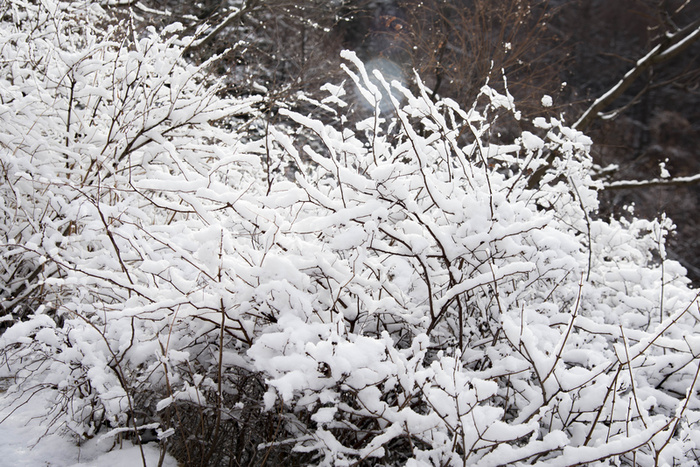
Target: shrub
(407,288)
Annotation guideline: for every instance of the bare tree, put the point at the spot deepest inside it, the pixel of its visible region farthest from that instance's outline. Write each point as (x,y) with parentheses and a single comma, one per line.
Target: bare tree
(457,45)
(633,87)
(271,47)
(671,45)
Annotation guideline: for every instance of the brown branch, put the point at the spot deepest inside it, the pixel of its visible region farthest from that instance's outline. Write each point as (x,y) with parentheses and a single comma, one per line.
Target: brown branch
(236,15)
(670,47)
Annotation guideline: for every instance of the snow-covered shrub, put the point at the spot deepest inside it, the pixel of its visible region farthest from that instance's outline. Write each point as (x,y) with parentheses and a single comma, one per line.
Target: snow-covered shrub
(407,289)
(106,152)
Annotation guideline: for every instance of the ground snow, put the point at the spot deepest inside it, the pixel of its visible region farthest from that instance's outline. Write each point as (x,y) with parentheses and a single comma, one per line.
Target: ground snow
(24,442)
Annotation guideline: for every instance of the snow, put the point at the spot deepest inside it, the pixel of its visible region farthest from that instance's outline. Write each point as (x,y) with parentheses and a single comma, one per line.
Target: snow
(397,277)
(587,454)
(655,181)
(683,42)
(532,142)
(541,122)
(26,443)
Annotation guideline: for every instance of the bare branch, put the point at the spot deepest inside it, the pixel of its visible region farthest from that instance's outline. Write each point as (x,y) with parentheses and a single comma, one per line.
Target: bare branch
(670,47)
(234,15)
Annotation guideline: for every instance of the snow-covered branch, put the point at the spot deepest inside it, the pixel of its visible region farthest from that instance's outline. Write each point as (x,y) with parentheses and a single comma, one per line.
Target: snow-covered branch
(386,289)
(670,46)
(675,181)
(235,14)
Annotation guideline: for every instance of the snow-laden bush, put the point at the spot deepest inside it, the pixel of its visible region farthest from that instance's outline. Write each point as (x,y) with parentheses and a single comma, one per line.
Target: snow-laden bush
(409,288)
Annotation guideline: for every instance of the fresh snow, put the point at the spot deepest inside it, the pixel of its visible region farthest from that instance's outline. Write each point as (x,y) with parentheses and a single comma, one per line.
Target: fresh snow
(26,443)
(387,283)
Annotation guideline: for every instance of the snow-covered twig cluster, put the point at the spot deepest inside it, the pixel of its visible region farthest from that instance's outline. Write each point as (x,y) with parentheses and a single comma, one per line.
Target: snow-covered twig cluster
(325,290)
